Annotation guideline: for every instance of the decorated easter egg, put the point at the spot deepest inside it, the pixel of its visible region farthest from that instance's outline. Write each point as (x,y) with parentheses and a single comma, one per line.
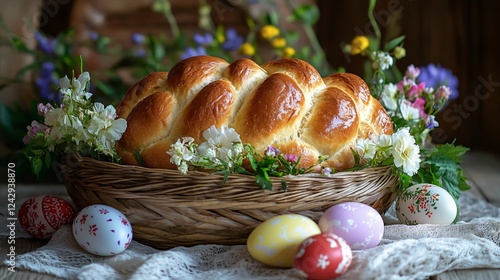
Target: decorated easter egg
(102,230)
(358,224)
(274,242)
(323,256)
(426,204)
(43,215)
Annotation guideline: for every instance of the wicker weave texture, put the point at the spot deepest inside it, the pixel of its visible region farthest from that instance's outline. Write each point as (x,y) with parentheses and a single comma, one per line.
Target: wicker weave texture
(168,209)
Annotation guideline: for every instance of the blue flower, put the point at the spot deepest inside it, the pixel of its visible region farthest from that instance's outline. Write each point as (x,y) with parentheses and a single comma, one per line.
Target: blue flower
(435,76)
(203,40)
(94,36)
(46,45)
(48,82)
(139,53)
(138,38)
(190,52)
(233,40)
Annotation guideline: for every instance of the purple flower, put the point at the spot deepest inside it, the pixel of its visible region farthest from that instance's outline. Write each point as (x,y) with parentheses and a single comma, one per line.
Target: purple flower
(272,151)
(436,76)
(139,53)
(46,45)
(138,38)
(326,171)
(43,109)
(203,40)
(34,129)
(233,40)
(94,36)
(430,122)
(48,82)
(190,52)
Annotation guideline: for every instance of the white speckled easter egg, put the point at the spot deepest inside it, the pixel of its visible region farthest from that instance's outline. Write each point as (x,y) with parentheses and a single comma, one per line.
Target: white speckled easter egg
(358,224)
(275,241)
(102,230)
(426,204)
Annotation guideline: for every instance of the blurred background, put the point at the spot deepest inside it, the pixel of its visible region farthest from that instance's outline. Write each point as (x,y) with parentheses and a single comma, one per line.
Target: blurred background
(121,41)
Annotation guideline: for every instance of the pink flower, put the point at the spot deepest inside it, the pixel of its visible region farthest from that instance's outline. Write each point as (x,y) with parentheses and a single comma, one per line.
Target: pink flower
(43,109)
(443,92)
(34,129)
(412,72)
(291,158)
(419,103)
(404,84)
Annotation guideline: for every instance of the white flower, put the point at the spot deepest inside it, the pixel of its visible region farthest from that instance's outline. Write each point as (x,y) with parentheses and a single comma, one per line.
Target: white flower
(366,148)
(382,144)
(388,97)
(180,153)
(409,112)
(222,141)
(75,89)
(384,60)
(105,127)
(405,152)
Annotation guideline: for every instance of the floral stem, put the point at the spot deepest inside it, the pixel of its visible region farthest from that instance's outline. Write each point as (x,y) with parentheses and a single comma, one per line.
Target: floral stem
(373,22)
(164,7)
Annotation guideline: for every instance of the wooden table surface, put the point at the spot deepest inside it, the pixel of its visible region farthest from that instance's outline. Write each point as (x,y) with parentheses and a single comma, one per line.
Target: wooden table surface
(483,170)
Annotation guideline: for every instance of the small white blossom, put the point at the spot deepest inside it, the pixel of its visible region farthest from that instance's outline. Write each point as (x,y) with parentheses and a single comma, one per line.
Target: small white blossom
(222,141)
(76,88)
(180,153)
(406,153)
(388,97)
(366,148)
(105,127)
(382,144)
(409,112)
(384,60)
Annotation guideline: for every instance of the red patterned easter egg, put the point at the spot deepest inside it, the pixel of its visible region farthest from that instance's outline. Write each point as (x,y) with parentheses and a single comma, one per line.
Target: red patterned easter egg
(43,215)
(323,256)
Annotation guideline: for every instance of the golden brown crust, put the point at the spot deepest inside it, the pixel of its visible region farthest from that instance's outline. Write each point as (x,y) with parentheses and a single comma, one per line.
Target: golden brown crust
(284,103)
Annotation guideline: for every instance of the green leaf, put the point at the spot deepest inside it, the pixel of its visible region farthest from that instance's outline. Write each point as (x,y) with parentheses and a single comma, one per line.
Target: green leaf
(36,164)
(284,185)
(263,182)
(307,13)
(138,157)
(393,43)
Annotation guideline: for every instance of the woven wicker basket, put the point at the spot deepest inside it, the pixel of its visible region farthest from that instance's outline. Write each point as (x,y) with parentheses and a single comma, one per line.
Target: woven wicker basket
(168,209)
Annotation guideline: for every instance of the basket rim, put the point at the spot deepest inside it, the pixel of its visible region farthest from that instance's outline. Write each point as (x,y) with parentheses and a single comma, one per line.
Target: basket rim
(195,173)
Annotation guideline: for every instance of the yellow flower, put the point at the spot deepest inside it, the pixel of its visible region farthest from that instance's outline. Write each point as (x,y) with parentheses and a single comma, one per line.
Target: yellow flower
(399,52)
(278,43)
(359,44)
(288,52)
(247,49)
(269,31)
(220,37)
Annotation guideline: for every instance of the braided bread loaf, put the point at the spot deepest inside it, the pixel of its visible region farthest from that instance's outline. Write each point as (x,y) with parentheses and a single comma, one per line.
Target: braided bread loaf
(284,103)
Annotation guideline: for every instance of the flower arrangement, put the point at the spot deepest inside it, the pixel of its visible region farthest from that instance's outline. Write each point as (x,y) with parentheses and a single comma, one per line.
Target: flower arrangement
(413,100)
(75,125)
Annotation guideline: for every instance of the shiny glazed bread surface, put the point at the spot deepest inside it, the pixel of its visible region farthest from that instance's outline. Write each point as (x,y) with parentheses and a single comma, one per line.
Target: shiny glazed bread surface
(284,103)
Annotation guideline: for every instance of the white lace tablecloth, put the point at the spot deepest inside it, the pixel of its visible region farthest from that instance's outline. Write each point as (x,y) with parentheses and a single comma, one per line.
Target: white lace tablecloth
(406,252)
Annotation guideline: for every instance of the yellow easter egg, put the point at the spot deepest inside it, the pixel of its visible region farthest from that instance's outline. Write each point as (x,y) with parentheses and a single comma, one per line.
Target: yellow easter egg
(275,241)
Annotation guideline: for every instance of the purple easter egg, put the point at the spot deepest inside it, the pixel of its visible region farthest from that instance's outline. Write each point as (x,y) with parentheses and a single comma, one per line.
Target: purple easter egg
(358,224)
